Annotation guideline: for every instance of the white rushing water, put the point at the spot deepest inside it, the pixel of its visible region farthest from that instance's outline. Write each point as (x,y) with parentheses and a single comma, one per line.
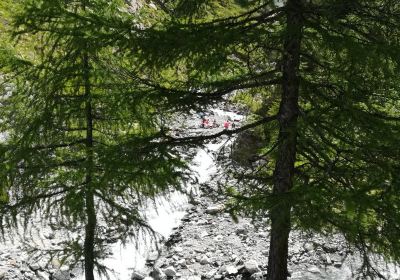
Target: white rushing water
(166,213)
(163,216)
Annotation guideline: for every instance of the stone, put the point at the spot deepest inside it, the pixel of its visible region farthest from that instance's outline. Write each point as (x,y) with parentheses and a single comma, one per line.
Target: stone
(181,262)
(308,246)
(241,231)
(214,209)
(204,260)
(175,257)
(158,274)
(257,276)
(178,249)
(314,270)
(137,276)
(337,264)
(152,257)
(194,277)
(61,275)
(41,275)
(217,276)
(2,274)
(34,266)
(231,270)
(170,271)
(210,274)
(50,235)
(251,266)
(218,238)
(55,263)
(328,259)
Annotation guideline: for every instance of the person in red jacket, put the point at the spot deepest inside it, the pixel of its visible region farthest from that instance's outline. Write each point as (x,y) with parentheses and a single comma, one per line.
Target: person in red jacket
(226,124)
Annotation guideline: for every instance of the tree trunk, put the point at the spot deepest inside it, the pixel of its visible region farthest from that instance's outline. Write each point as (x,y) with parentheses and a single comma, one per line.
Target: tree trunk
(90,228)
(284,168)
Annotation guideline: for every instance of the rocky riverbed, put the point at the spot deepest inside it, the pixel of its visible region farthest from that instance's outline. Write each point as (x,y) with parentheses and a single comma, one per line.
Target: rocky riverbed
(206,244)
(210,245)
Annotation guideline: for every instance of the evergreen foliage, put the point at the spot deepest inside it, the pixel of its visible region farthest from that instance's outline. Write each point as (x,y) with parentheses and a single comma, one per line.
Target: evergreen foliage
(328,71)
(83,146)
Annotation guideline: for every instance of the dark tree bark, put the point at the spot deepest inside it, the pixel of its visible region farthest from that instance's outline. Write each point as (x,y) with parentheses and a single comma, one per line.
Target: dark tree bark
(90,228)
(284,168)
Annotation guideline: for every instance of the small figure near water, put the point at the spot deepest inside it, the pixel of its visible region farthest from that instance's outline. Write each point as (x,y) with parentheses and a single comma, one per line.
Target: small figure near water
(226,124)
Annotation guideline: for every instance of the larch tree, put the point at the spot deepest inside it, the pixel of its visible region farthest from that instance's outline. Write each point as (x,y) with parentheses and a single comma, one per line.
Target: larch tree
(83,143)
(326,74)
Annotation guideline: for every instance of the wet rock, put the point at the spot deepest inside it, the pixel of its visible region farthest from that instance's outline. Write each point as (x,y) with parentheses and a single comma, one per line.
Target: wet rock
(170,271)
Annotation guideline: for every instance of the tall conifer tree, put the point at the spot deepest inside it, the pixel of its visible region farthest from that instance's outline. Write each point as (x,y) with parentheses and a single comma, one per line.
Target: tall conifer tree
(83,141)
(327,75)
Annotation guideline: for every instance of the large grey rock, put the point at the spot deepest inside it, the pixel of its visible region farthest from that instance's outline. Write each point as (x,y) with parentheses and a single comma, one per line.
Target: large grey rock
(251,266)
(170,271)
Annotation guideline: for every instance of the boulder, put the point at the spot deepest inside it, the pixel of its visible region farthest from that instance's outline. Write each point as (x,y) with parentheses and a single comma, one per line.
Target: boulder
(170,271)
(251,266)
